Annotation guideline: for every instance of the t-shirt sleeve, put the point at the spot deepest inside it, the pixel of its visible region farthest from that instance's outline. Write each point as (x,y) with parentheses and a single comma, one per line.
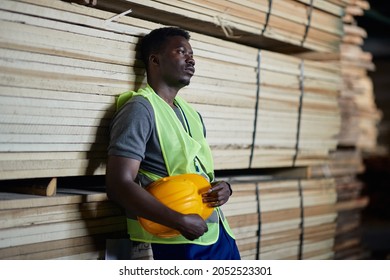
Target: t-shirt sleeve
(131,129)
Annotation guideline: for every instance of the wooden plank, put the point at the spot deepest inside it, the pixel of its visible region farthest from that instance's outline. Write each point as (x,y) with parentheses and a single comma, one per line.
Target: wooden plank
(63,196)
(43,187)
(55,214)
(20,236)
(57,248)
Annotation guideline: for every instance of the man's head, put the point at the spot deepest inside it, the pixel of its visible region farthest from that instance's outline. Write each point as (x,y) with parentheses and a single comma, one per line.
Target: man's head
(155,40)
(168,56)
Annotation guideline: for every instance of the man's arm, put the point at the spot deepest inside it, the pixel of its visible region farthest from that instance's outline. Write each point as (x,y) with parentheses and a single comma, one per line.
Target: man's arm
(122,188)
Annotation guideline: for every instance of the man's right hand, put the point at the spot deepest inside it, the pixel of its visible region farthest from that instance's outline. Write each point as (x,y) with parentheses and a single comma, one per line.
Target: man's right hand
(192,226)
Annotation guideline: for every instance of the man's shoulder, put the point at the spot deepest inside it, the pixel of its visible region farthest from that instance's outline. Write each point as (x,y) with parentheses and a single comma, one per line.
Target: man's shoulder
(138,102)
(140,99)
(137,107)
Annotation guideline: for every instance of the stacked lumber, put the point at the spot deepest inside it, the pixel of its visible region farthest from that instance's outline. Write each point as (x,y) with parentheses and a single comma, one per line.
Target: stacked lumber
(341,162)
(317,107)
(62,65)
(283,219)
(74,224)
(344,167)
(359,129)
(278,219)
(358,133)
(350,203)
(359,114)
(293,98)
(282,26)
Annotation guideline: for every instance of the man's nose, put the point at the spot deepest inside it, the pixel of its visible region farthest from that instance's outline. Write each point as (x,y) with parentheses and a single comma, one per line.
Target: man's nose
(190,60)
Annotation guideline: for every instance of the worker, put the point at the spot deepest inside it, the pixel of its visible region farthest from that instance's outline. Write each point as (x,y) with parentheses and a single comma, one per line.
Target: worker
(155,134)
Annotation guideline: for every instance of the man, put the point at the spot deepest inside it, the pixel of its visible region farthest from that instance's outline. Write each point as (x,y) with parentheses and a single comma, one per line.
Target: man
(157,134)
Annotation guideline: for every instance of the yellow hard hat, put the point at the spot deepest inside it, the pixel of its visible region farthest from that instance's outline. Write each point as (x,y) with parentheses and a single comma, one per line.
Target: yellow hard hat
(182,193)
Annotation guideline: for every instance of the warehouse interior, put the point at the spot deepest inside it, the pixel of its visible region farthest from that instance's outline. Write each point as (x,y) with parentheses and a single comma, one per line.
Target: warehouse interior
(296,107)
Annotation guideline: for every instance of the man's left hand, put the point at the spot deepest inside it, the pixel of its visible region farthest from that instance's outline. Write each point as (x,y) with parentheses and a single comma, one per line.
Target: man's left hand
(218,194)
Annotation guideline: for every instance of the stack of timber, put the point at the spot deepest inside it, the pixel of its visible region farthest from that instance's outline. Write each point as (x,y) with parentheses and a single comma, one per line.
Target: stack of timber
(341,162)
(358,133)
(360,113)
(350,203)
(278,219)
(283,26)
(360,118)
(283,219)
(74,224)
(344,167)
(62,65)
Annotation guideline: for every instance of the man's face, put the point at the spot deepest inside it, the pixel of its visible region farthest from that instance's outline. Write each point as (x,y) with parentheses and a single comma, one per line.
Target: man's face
(176,62)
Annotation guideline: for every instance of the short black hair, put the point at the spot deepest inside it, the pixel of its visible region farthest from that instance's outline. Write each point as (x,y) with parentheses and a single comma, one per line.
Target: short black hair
(153,41)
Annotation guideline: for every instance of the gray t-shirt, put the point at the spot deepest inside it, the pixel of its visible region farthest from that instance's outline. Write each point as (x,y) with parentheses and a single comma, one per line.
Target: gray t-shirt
(133,134)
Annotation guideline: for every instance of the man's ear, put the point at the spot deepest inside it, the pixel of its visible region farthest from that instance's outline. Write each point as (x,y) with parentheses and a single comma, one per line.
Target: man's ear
(154,59)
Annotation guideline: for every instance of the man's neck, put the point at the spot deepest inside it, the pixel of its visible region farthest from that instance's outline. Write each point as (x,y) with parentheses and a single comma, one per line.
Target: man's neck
(167,93)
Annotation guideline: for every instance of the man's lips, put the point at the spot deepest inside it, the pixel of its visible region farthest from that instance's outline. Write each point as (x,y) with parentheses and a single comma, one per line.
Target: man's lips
(190,70)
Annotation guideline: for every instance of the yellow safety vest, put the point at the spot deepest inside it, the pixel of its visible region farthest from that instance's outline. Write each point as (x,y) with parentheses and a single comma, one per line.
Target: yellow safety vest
(185,151)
